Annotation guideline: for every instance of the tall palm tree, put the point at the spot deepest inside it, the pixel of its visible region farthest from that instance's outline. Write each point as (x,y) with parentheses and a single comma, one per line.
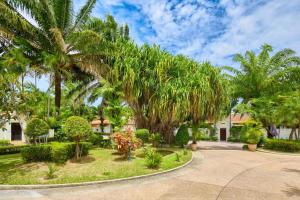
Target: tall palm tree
(264,74)
(52,30)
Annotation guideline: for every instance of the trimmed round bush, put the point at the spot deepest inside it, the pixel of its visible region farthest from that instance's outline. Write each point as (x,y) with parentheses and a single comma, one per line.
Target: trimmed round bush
(36,127)
(182,137)
(78,129)
(142,134)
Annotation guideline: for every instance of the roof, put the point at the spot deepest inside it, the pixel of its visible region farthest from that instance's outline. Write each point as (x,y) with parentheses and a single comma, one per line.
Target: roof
(97,122)
(238,118)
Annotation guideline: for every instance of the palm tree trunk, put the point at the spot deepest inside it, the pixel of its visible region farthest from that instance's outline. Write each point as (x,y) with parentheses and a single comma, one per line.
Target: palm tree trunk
(57,82)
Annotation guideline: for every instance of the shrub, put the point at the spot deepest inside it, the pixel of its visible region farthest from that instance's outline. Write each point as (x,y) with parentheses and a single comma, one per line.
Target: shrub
(254,135)
(142,134)
(153,158)
(178,157)
(182,137)
(36,127)
(77,128)
(205,137)
(55,152)
(282,145)
(61,152)
(96,139)
(33,153)
(5,143)
(126,141)
(156,139)
(52,169)
(233,139)
(11,149)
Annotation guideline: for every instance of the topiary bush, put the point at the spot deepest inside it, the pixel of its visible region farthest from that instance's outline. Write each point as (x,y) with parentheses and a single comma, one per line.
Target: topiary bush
(282,145)
(182,137)
(78,129)
(153,158)
(143,134)
(36,127)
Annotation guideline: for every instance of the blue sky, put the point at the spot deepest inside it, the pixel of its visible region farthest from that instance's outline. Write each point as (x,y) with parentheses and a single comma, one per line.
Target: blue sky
(212,30)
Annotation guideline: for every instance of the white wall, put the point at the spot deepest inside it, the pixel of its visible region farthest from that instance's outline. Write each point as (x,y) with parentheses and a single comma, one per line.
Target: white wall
(6,134)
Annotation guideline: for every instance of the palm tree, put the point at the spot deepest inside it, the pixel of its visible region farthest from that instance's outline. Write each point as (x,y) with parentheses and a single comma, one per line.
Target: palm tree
(51,32)
(263,74)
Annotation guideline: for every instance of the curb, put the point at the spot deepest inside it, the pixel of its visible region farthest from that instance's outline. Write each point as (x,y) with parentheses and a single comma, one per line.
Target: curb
(48,186)
(277,152)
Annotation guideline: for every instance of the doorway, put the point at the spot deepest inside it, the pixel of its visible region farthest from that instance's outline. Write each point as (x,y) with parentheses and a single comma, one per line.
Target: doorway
(16,131)
(223,134)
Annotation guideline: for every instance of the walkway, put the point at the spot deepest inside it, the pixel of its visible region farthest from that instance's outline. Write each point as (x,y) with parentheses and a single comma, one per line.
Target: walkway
(214,174)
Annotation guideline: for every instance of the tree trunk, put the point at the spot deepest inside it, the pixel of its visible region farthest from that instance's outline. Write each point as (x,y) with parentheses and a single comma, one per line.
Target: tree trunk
(77,150)
(57,83)
(292,133)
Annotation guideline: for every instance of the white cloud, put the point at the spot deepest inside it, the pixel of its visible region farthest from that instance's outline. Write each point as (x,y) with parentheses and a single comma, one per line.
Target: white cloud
(209,31)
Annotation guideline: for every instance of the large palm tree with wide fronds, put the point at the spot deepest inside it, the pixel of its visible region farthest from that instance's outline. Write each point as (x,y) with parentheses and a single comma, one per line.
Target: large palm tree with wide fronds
(264,74)
(46,29)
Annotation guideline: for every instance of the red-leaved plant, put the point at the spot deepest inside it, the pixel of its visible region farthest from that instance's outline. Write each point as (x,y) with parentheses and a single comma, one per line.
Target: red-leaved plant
(126,140)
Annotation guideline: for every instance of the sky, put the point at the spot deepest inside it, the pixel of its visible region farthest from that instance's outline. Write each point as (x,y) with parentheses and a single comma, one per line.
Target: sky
(213,30)
(207,30)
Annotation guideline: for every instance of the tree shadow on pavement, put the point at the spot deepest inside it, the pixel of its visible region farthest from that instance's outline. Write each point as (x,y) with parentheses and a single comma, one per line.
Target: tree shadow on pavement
(292,191)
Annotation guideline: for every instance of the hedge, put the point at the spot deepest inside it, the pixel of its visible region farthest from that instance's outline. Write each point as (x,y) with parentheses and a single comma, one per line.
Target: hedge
(11,149)
(282,145)
(55,152)
(5,143)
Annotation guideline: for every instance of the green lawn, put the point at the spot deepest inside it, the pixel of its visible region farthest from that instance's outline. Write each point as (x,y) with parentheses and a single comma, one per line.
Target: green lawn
(101,164)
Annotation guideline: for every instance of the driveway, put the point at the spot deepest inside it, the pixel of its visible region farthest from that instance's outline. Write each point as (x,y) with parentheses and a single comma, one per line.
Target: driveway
(215,173)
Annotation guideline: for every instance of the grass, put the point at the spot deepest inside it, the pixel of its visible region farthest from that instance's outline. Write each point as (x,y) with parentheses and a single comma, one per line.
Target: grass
(100,164)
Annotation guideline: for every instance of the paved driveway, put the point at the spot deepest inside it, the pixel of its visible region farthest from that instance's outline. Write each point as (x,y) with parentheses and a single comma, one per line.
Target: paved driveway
(214,174)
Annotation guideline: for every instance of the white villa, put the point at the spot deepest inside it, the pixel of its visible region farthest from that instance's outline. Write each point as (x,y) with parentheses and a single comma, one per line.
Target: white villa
(14,131)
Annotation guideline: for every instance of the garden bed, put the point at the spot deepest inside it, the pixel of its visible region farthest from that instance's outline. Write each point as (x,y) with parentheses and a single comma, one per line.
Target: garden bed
(100,164)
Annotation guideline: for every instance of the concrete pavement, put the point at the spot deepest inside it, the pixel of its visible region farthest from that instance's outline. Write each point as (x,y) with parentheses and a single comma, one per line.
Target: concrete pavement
(214,174)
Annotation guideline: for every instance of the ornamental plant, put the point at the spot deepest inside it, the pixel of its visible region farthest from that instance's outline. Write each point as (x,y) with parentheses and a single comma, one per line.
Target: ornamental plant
(126,141)
(36,127)
(78,129)
(254,135)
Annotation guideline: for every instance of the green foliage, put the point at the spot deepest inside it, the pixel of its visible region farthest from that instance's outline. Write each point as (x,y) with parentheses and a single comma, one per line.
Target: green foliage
(156,139)
(35,153)
(250,127)
(55,152)
(143,134)
(5,143)
(233,139)
(36,127)
(254,136)
(77,128)
(96,138)
(282,145)
(52,169)
(182,137)
(178,157)
(205,137)
(11,149)
(235,131)
(153,158)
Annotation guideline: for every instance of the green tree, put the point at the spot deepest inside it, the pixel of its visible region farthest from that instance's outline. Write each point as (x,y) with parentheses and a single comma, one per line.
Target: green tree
(58,41)
(78,129)
(263,74)
(36,127)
